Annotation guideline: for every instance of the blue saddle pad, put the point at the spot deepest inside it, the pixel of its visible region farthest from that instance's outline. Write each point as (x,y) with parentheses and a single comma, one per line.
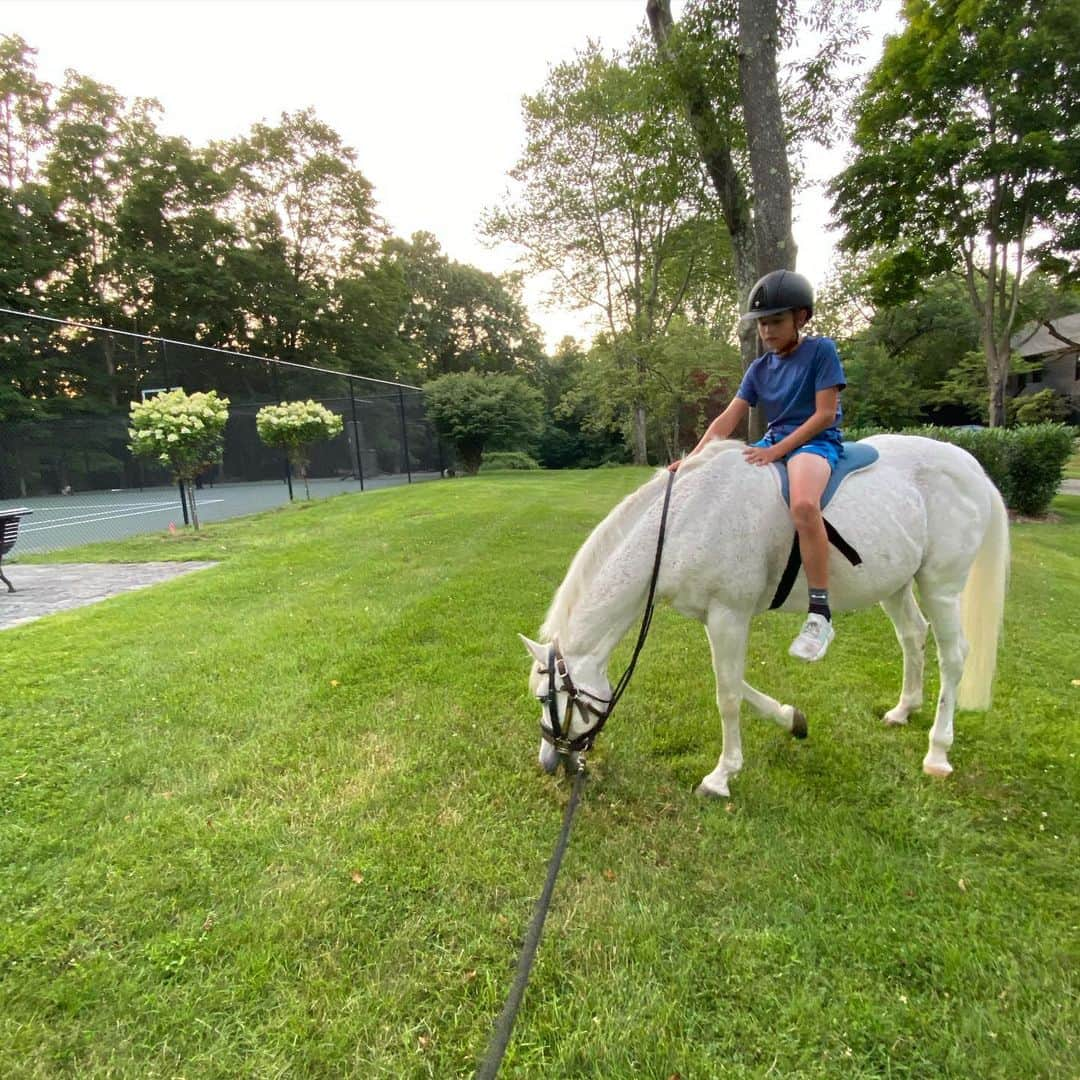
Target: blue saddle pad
(856,456)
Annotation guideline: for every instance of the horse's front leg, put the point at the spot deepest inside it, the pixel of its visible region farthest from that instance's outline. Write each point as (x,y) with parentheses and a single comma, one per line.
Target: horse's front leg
(727,632)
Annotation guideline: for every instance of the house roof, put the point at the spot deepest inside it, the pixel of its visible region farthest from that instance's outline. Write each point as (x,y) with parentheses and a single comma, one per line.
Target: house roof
(1034,339)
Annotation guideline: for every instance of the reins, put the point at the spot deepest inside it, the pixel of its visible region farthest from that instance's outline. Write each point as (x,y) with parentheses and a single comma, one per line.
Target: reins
(556,667)
(504,1025)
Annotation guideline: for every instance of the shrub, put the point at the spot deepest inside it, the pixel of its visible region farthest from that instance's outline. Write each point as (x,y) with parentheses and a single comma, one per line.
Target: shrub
(1026,463)
(475,411)
(1037,456)
(989,447)
(507,459)
(1045,407)
(854,434)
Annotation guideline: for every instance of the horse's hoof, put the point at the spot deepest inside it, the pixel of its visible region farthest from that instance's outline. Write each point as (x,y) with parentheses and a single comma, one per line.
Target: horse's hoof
(896,717)
(707,793)
(798,725)
(933,768)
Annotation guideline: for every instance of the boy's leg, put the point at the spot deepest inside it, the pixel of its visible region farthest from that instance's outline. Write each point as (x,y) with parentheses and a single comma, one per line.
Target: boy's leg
(808,475)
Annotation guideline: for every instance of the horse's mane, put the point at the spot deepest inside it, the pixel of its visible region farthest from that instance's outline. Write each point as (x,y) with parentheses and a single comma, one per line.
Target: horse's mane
(610,533)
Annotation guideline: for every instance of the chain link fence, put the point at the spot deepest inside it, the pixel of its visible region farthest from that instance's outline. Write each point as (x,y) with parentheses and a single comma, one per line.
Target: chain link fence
(74,471)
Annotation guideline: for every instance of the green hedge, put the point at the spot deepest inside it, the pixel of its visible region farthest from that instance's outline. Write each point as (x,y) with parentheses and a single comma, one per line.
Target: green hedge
(1026,463)
(508,459)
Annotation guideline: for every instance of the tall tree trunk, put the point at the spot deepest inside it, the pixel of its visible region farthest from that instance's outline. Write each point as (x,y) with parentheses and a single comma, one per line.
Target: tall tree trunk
(759,92)
(761,239)
(641,453)
(997,376)
(715,151)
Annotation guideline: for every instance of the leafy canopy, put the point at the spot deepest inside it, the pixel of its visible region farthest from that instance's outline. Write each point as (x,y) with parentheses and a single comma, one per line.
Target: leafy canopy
(967,128)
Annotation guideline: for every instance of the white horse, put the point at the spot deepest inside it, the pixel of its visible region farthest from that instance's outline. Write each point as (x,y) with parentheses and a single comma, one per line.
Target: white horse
(924,514)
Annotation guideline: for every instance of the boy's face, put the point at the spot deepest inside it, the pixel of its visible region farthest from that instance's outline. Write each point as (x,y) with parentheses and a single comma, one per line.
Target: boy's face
(779,332)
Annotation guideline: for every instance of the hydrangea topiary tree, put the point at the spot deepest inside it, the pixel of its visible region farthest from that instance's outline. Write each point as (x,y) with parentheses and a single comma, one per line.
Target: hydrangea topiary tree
(185,432)
(295,426)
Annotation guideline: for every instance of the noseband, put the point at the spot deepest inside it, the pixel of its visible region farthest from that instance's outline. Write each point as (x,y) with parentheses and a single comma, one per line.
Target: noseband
(556,670)
(559,679)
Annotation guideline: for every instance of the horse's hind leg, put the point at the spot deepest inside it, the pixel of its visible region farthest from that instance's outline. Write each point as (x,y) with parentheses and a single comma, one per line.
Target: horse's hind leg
(944,612)
(910,627)
(727,639)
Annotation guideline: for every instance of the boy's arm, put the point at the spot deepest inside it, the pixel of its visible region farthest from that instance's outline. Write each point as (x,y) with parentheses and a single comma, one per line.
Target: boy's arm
(824,416)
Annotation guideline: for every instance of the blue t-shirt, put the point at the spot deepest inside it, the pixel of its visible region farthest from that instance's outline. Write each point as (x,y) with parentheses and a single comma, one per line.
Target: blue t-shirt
(785,386)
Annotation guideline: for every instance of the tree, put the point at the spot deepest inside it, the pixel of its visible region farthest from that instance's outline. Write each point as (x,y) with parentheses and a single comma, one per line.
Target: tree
(25,112)
(682,366)
(881,390)
(29,388)
(174,249)
(307,218)
(186,433)
(478,412)
(576,434)
(460,318)
(965,148)
(722,69)
(611,206)
(84,181)
(31,238)
(1045,407)
(296,426)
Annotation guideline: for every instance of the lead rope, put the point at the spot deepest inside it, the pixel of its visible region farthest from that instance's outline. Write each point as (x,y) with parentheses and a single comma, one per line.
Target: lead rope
(500,1038)
(504,1025)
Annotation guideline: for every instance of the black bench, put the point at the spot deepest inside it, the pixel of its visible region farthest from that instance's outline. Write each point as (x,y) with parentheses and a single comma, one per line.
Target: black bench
(9,533)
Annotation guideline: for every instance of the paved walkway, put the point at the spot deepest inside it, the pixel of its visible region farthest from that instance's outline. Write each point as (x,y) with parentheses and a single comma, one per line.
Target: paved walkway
(45,588)
(1069,487)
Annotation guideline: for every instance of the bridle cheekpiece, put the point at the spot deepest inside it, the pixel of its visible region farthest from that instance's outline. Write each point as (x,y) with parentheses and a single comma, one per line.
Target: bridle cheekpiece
(600,707)
(558,734)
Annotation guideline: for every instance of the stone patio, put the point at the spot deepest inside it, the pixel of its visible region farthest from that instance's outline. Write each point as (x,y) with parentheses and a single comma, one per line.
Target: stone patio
(45,588)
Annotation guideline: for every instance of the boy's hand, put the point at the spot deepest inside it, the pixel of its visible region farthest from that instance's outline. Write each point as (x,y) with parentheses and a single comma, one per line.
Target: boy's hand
(674,466)
(761,455)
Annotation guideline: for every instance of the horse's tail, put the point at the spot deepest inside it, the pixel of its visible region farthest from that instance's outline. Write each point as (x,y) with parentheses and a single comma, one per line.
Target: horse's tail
(982,606)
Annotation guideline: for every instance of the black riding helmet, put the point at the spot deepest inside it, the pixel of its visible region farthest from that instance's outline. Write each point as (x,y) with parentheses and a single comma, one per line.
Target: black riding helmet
(782,290)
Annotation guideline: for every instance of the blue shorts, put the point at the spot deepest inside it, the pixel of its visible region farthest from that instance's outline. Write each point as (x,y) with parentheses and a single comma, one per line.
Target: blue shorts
(829,449)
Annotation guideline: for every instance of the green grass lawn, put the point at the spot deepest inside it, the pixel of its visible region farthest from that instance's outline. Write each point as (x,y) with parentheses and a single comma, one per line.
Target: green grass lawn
(282,818)
(1072,466)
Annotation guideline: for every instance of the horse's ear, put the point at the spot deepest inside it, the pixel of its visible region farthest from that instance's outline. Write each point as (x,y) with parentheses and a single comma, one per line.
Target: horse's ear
(538,652)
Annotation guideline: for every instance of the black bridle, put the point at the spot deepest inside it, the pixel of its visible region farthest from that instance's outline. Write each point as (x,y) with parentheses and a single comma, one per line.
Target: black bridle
(585,701)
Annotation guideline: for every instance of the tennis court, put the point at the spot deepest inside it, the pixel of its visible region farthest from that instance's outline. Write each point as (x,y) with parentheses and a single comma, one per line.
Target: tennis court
(67,521)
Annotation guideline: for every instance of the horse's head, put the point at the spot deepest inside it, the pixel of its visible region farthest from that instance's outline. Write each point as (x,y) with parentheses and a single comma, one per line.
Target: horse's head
(571,713)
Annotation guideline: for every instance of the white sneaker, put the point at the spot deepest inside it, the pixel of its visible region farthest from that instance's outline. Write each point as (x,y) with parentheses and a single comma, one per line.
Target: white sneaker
(814,638)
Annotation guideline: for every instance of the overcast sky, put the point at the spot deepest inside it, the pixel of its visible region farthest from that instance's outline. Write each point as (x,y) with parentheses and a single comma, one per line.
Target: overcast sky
(426,91)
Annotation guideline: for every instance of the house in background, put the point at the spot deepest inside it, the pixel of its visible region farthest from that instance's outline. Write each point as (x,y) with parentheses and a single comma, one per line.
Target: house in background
(1058,360)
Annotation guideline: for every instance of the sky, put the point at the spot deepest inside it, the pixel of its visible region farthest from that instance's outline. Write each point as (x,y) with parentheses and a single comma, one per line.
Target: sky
(427,92)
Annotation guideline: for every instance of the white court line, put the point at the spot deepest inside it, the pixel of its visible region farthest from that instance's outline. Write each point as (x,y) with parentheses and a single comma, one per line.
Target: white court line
(90,516)
(89,511)
(102,507)
(110,517)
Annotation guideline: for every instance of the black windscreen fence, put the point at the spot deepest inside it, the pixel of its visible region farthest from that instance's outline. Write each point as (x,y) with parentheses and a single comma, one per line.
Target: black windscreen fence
(71,466)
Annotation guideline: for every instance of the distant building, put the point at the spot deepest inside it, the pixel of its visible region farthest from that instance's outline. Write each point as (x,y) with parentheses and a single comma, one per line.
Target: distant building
(1059,361)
